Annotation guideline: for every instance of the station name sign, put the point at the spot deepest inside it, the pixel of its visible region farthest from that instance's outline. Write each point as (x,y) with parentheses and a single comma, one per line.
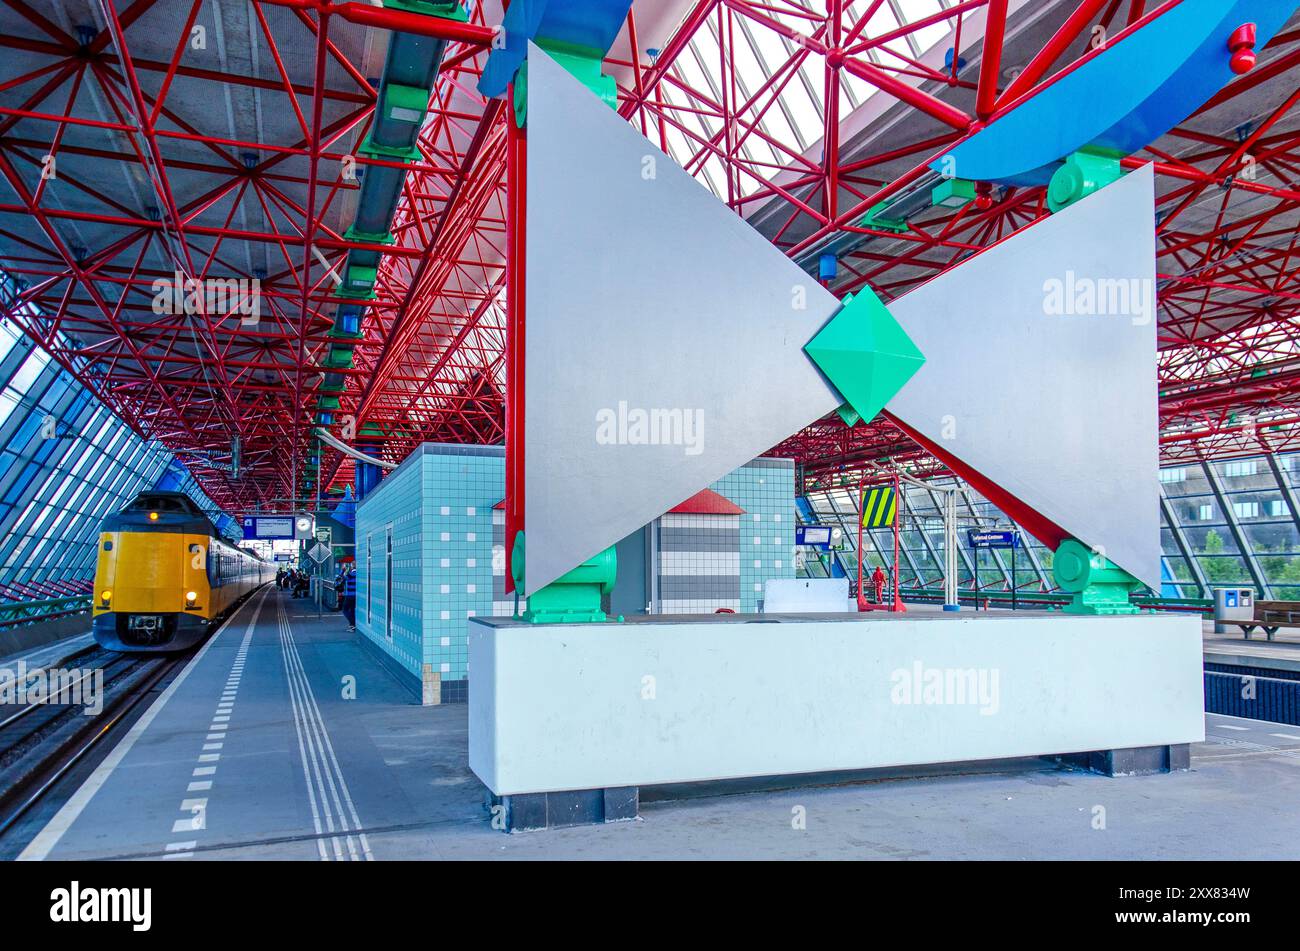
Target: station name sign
(980,538)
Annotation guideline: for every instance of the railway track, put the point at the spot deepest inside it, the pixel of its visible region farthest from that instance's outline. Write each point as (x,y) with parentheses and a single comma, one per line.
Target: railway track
(42,739)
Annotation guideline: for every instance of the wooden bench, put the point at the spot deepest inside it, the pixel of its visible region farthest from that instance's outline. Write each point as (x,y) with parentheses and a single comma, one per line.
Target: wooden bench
(1271,616)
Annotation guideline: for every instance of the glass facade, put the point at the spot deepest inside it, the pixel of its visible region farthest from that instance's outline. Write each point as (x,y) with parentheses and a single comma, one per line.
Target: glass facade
(65,462)
(1222,523)
(921,553)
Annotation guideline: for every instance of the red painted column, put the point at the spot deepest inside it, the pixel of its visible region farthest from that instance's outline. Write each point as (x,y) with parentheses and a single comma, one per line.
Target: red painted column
(516,206)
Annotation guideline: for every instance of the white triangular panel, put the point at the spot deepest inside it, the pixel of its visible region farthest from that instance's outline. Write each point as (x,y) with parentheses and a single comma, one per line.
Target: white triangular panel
(646,294)
(1051,397)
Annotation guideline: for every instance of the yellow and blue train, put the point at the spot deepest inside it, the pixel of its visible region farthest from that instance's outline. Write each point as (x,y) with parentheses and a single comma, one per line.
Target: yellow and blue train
(164,575)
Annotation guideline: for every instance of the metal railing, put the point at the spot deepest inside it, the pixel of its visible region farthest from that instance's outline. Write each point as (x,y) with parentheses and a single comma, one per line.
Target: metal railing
(1042,599)
(25,612)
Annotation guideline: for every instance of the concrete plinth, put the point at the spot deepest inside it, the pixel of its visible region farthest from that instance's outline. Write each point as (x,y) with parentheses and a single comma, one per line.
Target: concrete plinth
(1142,761)
(523,812)
(561,707)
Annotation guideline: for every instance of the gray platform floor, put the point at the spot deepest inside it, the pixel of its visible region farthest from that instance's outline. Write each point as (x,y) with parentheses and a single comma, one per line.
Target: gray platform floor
(296,770)
(1231,647)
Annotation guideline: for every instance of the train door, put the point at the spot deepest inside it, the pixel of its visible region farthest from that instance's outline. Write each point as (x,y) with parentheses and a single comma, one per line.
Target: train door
(388,582)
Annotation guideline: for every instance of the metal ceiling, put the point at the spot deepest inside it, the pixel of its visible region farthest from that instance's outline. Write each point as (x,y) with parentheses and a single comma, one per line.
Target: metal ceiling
(211,138)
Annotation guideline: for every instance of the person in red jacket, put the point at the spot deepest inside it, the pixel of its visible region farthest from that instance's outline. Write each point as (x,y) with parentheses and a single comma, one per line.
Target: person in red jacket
(878,582)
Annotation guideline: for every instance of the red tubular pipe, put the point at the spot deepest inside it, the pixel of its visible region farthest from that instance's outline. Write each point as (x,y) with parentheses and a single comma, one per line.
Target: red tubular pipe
(397,20)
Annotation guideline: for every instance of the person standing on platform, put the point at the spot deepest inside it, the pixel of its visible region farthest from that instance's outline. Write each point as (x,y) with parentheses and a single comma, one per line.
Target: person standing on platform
(350,597)
(878,583)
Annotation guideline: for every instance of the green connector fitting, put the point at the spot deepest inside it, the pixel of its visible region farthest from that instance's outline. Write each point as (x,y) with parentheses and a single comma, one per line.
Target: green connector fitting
(360,277)
(365,294)
(953,193)
(849,415)
(434,8)
(339,357)
(583,64)
(572,598)
(1079,176)
(1098,585)
(327,402)
(397,103)
(872,220)
(333,383)
(369,237)
(337,333)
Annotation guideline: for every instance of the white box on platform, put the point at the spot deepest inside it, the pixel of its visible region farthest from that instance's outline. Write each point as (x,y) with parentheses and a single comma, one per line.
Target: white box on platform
(573,706)
(807,596)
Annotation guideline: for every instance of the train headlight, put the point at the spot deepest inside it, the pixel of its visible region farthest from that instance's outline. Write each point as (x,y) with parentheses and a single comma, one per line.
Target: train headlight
(106,596)
(153,516)
(191,596)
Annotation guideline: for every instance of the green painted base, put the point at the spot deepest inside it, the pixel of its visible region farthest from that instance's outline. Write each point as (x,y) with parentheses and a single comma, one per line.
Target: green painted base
(572,598)
(1096,584)
(565,604)
(1102,599)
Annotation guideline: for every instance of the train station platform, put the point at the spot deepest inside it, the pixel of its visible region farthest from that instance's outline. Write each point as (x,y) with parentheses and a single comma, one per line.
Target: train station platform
(1232,647)
(285,738)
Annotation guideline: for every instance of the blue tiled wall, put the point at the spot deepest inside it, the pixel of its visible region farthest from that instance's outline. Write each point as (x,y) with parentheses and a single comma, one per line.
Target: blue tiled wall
(765,490)
(439,503)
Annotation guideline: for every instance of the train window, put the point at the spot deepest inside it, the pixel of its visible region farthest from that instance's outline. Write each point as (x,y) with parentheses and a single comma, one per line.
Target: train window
(158,503)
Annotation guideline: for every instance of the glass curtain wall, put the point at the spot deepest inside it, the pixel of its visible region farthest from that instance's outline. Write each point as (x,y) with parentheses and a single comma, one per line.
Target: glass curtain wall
(1234,522)
(65,462)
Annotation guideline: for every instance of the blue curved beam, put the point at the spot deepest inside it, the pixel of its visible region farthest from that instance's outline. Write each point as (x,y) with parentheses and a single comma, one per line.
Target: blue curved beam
(1121,100)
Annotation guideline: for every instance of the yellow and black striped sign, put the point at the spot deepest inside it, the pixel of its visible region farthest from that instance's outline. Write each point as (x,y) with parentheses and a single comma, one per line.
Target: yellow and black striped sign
(878,507)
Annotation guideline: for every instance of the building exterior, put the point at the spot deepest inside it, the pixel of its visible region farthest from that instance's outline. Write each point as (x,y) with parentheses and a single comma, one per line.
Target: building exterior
(431,553)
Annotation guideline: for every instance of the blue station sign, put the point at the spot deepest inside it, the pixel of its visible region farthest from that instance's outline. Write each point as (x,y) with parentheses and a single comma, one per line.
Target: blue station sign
(993,538)
(813,536)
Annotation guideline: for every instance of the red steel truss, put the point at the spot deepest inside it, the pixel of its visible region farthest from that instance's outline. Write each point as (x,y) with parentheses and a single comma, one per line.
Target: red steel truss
(161,170)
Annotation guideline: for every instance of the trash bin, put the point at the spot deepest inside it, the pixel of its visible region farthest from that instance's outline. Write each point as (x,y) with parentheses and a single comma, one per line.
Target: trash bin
(1233,604)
